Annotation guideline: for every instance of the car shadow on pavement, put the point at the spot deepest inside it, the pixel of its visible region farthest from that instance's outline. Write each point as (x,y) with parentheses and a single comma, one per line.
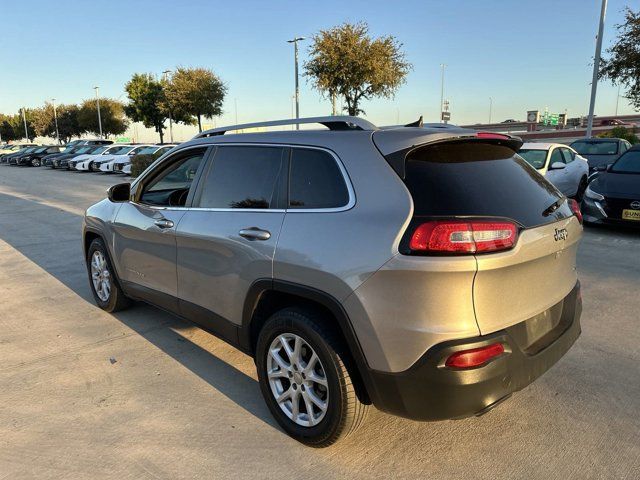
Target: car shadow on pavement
(50,238)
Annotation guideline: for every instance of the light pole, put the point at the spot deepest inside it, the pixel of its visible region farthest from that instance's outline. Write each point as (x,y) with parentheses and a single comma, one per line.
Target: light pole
(596,69)
(24,119)
(55,119)
(295,53)
(442,67)
(98,105)
(166,74)
(490,107)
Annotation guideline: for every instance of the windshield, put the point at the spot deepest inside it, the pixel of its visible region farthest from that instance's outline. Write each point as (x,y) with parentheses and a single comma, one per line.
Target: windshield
(40,150)
(586,147)
(535,158)
(627,163)
(146,150)
(83,150)
(137,150)
(100,150)
(28,150)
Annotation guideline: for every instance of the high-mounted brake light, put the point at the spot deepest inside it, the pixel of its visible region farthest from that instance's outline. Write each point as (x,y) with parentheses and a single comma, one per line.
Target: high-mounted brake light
(575,208)
(491,135)
(474,357)
(463,237)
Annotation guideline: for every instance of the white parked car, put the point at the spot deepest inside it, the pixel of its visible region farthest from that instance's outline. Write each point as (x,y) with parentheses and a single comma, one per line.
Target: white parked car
(85,162)
(118,165)
(127,169)
(125,158)
(125,149)
(559,164)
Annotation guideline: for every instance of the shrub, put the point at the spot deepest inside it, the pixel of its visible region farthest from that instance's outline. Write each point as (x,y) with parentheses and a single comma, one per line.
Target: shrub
(622,132)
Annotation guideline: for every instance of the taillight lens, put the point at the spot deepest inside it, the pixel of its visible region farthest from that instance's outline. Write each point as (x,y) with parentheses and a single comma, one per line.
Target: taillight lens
(463,237)
(575,208)
(474,357)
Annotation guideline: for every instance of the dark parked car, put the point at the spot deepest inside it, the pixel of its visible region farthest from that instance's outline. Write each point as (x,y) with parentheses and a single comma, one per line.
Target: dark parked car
(9,158)
(34,159)
(600,151)
(613,197)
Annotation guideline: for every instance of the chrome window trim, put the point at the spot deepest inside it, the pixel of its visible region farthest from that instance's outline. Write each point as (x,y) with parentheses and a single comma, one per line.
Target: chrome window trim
(345,177)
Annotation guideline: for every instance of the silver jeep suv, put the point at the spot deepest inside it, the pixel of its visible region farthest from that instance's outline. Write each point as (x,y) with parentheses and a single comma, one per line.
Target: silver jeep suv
(427,270)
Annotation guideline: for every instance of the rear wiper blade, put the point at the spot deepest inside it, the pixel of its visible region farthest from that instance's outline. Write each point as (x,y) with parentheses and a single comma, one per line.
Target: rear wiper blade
(552,208)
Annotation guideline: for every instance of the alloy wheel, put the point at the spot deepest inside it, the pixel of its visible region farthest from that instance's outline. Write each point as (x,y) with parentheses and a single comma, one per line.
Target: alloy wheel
(100,276)
(297,379)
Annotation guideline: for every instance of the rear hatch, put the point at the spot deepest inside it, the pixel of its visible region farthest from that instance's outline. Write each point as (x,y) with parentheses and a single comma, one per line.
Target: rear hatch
(482,182)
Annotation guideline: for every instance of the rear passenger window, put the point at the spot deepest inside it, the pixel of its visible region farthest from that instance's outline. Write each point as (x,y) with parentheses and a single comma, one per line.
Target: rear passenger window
(315,181)
(243,177)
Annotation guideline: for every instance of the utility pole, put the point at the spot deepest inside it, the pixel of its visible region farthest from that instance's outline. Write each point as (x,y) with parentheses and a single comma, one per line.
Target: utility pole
(166,73)
(98,105)
(55,119)
(295,54)
(617,99)
(24,119)
(442,66)
(596,69)
(490,108)
(235,101)
(333,104)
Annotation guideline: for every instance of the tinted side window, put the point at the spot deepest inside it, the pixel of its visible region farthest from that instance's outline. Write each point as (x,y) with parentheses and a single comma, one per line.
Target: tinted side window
(243,177)
(568,155)
(315,180)
(171,186)
(556,156)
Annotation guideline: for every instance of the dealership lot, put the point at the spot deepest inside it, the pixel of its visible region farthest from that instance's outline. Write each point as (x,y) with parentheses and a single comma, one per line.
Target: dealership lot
(142,394)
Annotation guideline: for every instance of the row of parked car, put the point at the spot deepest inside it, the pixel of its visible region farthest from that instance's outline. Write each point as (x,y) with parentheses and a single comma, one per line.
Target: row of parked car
(81,155)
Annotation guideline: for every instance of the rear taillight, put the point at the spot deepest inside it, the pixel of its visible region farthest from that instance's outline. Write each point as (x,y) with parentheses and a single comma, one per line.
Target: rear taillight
(474,357)
(575,208)
(463,237)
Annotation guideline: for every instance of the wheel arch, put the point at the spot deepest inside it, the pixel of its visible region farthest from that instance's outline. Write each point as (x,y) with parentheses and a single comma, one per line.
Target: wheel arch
(266,296)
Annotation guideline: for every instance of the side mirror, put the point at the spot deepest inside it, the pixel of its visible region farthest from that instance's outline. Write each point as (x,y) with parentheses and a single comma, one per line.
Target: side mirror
(557,166)
(119,193)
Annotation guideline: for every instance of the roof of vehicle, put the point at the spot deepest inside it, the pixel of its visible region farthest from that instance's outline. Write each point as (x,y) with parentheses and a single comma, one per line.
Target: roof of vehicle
(541,145)
(387,139)
(598,140)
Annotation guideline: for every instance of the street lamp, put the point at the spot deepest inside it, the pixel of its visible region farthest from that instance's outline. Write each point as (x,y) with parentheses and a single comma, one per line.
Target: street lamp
(24,119)
(98,105)
(490,107)
(166,74)
(442,66)
(596,69)
(55,119)
(295,53)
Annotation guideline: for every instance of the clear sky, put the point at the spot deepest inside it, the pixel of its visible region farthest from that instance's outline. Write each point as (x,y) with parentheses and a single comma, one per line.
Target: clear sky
(525,54)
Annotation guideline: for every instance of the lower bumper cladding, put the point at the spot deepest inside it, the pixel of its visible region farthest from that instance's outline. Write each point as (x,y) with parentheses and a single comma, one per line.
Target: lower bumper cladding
(430,390)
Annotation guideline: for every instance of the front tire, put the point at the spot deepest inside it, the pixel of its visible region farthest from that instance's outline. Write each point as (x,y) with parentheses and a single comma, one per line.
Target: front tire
(102,279)
(304,380)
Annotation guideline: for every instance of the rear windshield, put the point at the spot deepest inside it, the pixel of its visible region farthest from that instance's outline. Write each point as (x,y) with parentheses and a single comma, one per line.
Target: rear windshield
(627,163)
(585,147)
(480,179)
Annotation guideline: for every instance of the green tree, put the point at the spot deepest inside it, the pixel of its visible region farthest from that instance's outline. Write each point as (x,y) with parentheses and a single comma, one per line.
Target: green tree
(112,115)
(196,92)
(346,61)
(7,132)
(621,132)
(146,102)
(17,124)
(622,66)
(68,124)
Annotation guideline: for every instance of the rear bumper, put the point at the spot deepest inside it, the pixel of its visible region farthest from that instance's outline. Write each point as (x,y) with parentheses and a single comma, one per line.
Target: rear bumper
(431,391)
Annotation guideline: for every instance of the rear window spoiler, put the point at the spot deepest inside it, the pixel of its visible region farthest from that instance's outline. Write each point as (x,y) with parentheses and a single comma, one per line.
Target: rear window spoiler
(398,158)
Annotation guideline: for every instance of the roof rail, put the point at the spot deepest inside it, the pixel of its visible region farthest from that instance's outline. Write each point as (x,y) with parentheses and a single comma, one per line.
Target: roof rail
(342,122)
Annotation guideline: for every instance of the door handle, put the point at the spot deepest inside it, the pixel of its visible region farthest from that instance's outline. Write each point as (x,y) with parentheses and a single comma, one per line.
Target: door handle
(164,223)
(254,233)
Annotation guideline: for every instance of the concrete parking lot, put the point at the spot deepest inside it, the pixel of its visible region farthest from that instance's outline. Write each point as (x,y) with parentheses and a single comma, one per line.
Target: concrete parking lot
(143,394)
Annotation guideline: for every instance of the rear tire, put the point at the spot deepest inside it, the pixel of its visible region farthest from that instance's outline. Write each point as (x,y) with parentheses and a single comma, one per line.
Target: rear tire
(310,372)
(103,280)
(582,186)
